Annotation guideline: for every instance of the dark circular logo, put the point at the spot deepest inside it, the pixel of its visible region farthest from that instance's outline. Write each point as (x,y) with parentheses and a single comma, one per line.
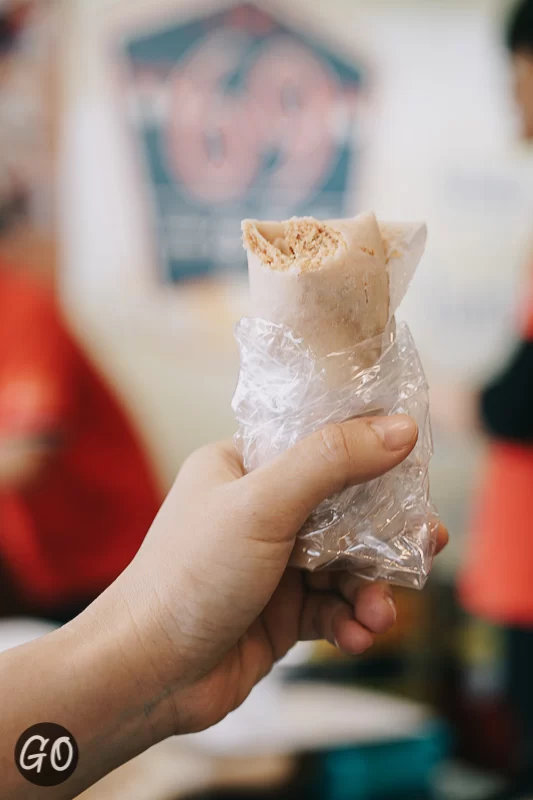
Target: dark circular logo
(46,754)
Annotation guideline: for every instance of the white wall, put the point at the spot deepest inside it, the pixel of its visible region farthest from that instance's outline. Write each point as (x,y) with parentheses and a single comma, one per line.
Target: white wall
(440,110)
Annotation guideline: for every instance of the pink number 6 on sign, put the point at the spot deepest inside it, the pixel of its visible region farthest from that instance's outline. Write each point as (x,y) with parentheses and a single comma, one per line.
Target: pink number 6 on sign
(294,98)
(211,147)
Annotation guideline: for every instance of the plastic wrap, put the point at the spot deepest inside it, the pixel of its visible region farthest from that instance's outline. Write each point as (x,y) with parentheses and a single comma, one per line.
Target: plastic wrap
(384,529)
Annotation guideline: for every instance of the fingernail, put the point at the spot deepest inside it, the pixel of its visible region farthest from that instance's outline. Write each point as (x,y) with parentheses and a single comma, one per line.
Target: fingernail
(397,433)
(392,604)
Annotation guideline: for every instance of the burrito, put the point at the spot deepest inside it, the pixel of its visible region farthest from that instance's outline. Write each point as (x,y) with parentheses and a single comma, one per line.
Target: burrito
(327,281)
(322,346)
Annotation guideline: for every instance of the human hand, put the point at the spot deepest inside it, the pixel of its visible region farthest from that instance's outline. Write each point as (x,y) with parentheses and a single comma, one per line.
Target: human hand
(210,593)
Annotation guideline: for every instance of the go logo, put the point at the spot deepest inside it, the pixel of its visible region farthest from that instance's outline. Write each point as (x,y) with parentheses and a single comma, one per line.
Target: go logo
(46,754)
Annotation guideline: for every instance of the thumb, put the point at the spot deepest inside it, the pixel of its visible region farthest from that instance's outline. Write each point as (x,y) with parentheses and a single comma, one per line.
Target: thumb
(340,455)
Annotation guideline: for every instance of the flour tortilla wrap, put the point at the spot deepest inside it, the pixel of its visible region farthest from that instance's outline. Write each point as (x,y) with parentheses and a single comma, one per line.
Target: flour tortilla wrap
(336,284)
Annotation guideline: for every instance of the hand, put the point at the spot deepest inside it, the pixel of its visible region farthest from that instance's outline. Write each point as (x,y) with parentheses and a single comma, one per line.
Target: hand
(210,593)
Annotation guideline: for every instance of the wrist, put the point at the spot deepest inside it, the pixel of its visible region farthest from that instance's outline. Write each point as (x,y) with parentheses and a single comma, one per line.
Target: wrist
(90,678)
(135,670)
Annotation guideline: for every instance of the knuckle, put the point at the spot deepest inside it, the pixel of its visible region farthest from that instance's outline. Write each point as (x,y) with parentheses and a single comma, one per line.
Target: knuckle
(349,586)
(195,458)
(201,457)
(334,446)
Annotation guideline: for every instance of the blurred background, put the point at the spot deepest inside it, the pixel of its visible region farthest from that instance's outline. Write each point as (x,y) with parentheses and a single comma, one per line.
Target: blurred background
(134,137)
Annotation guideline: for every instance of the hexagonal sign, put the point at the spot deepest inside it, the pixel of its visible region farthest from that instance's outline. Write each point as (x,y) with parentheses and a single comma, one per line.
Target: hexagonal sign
(238,114)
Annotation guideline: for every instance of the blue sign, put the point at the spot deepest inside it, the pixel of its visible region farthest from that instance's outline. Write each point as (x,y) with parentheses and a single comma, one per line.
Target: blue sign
(238,115)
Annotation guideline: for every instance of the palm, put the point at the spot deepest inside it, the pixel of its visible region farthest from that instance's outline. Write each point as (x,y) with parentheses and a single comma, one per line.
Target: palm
(303,607)
(268,639)
(295,612)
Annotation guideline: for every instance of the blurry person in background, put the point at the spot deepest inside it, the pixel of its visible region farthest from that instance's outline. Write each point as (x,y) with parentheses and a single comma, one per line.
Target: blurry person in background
(76,492)
(496,583)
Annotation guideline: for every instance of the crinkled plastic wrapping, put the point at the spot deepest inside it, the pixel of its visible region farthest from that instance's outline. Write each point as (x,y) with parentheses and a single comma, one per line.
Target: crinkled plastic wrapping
(385,529)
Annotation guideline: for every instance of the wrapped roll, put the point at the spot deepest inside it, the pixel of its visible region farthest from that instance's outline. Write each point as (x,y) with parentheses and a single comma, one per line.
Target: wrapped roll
(328,282)
(323,347)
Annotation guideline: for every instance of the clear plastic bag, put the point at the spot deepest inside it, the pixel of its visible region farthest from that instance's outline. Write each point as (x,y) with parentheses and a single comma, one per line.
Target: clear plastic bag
(385,529)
